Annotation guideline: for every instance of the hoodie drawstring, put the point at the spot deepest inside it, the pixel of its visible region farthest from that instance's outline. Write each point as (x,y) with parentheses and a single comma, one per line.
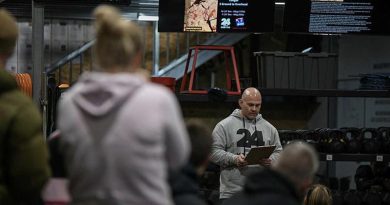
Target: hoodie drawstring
(246,137)
(257,137)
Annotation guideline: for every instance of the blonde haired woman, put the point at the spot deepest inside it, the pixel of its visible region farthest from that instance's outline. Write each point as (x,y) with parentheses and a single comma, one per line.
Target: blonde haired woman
(119,133)
(318,195)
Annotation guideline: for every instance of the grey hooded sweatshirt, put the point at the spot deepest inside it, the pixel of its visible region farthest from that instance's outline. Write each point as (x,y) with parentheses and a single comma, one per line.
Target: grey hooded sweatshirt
(119,136)
(236,135)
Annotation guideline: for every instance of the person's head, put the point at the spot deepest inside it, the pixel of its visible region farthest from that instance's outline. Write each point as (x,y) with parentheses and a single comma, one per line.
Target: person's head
(118,41)
(201,141)
(299,163)
(250,103)
(8,35)
(318,195)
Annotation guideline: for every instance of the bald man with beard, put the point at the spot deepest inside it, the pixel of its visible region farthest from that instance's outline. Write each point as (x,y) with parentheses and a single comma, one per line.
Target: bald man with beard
(234,137)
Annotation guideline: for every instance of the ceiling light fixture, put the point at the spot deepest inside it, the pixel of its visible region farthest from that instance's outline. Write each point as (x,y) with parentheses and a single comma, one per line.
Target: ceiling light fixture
(148,18)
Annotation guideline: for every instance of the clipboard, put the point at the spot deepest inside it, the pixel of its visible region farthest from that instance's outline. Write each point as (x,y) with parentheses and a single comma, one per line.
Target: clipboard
(257,153)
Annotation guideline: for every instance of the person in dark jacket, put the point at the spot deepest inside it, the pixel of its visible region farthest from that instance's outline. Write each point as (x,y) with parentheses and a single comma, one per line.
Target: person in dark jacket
(24,167)
(184,184)
(285,183)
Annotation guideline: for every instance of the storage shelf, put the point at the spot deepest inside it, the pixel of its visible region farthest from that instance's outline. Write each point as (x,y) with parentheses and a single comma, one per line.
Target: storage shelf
(325,93)
(292,54)
(293,92)
(203,98)
(355,157)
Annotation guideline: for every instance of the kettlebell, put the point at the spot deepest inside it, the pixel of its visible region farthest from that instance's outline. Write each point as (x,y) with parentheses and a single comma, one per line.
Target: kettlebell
(344,183)
(285,137)
(386,199)
(385,133)
(334,183)
(337,142)
(364,177)
(323,141)
(372,198)
(372,141)
(353,138)
(338,197)
(311,138)
(386,179)
(353,197)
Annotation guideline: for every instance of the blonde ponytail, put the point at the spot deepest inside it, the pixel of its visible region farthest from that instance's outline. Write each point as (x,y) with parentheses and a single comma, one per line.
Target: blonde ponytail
(106,19)
(118,41)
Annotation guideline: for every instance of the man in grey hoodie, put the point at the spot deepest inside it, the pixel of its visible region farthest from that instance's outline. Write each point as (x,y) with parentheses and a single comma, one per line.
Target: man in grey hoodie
(233,138)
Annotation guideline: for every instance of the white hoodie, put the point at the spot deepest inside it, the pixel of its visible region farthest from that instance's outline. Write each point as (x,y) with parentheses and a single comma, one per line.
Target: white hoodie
(236,135)
(119,137)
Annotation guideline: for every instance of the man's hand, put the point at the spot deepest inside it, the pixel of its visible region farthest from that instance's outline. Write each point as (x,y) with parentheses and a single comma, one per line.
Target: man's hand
(265,162)
(240,161)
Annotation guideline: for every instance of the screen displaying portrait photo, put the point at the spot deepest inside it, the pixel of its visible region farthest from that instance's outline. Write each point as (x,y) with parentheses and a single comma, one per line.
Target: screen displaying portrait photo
(222,16)
(200,15)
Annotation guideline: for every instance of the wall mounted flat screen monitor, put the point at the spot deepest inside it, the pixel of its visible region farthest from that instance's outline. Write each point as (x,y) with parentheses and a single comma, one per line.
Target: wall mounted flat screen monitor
(216,15)
(337,16)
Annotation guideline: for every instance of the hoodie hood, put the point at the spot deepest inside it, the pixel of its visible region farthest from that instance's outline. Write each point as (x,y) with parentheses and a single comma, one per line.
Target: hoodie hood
(99,93)
(237,113)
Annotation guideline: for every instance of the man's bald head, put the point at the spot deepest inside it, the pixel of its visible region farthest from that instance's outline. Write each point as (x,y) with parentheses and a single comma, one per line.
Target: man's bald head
(8,33)
(250,103)
(299,163)
(251,93)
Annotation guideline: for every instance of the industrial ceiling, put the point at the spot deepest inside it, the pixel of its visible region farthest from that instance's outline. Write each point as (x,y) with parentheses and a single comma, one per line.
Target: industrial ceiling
(78,9)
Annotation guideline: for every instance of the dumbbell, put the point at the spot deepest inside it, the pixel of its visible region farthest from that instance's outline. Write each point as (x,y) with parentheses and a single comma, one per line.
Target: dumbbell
(364,177)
